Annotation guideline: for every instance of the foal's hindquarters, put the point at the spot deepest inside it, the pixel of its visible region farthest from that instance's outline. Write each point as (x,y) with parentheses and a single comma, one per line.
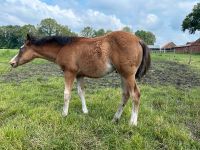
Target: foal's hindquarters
(130,55)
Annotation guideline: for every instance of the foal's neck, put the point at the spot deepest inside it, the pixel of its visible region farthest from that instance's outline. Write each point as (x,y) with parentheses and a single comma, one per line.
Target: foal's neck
(48,52)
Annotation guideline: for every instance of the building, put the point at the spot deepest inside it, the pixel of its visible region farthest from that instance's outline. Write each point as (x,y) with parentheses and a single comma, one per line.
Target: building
(190,47)
(168,46)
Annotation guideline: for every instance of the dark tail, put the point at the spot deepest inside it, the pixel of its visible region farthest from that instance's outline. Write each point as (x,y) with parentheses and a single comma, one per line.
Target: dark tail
(146,61)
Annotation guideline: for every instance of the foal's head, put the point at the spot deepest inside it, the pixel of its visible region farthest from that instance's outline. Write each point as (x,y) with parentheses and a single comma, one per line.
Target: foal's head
(25,54)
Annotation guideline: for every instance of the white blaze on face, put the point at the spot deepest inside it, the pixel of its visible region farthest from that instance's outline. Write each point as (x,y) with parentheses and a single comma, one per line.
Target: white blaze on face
(13,60)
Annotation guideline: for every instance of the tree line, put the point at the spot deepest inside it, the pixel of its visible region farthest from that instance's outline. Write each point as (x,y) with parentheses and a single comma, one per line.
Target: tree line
(13,36)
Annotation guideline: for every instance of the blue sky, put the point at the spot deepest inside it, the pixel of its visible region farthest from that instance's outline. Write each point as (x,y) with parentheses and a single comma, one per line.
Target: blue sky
(163,17)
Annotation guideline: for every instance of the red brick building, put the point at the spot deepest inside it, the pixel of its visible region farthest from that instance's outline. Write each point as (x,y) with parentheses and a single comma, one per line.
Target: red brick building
(169,45)
(193,47)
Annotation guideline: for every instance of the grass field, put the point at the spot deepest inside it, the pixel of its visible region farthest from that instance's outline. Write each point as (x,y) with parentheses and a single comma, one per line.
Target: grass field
(31,100)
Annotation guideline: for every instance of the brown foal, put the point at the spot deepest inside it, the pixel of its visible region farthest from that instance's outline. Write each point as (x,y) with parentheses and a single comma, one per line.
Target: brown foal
(81,57)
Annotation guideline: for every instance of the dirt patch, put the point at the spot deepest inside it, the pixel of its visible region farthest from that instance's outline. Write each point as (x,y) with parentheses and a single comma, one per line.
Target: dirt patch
(171,73)
(194,127)
(160,73)
(20,74)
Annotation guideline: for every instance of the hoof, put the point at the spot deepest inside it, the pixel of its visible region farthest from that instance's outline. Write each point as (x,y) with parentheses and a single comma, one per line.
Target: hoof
(64,114)
(133,124)
(85,111)
(115,120)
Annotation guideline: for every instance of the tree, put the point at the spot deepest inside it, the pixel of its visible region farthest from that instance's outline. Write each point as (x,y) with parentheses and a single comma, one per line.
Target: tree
(148,37)
(99,32)
(47,27)
(9,36)
(14,36)
(192,20)
(127,29)
(3,37)
(108,31)
(88,32)
(23,32)
(64,31)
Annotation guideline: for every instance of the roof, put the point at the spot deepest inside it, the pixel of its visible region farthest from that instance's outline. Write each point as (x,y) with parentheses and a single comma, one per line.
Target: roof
(169,45)
(197,42)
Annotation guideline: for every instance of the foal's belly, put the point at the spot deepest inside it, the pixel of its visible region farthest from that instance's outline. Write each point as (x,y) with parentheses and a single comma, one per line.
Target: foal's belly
(95,69)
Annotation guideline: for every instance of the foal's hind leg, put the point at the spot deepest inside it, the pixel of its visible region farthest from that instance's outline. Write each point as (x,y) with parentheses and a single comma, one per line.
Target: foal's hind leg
(135,95)
(80,84)
(125,97)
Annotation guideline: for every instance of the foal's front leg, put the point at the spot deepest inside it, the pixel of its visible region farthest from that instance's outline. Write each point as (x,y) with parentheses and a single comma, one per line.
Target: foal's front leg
(80,86)
(69,79)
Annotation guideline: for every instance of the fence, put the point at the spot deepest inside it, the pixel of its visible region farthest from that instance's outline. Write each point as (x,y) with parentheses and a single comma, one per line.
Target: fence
(162,50)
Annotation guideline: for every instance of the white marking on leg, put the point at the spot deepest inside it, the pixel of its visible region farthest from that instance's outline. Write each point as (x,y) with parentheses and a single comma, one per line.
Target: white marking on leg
(67,97)
(134,116)
(135,107)
(135,95)
(118,113)
(81,95)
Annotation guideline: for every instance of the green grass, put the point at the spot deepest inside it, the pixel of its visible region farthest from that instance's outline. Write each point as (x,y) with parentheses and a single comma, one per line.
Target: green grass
(30,115)
(179,58)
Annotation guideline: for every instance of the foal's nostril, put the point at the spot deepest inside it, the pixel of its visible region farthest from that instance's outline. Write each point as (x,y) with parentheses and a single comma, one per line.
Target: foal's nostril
(13,64)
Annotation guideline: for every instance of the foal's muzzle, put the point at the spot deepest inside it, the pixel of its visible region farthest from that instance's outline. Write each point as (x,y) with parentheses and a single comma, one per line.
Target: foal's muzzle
(14,61)
(13,64)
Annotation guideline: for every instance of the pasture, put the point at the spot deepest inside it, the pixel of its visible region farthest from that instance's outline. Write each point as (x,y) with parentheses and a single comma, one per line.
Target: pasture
(31,100)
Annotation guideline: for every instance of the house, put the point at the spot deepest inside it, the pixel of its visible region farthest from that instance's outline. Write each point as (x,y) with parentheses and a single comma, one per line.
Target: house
(169,46)
(190,47)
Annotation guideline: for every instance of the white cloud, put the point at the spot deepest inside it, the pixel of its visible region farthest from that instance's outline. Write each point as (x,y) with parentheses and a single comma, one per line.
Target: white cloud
(100,20)
(149,22)
(152,19)
(6,18)
(186,5)
(23,11)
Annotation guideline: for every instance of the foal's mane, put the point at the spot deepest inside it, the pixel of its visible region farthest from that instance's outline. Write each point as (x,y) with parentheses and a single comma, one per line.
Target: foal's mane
(60,40)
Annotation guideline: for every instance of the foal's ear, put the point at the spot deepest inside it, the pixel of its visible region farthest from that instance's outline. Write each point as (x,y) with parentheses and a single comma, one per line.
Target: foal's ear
(28,37)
